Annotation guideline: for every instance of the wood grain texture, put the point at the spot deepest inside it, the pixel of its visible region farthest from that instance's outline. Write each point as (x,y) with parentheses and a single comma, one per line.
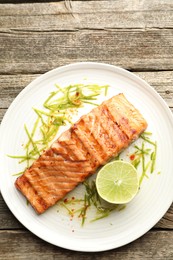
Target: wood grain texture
(17,245)
(35,52)
(2,113)
(7,219)
(109,14)
(167,221)
(36,36)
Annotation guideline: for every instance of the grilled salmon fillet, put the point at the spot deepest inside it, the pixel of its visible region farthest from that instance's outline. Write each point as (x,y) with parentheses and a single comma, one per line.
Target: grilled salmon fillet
(79,151)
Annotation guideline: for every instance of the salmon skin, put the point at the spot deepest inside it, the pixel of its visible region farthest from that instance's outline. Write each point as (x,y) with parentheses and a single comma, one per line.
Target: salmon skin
(79,151)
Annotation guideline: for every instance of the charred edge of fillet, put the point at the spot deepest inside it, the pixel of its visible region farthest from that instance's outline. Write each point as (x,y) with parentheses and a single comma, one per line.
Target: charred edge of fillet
(40,206)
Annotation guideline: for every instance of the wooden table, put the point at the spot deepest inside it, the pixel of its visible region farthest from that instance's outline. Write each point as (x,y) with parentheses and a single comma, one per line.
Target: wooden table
(36,37)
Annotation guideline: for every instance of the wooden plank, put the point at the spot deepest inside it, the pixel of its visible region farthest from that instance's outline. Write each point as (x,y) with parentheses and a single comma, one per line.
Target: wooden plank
(31,52)
(162,82)
(88,14)
(167,221)
(11,85)
(24,245)
(30,33)
(81,6)
(2,113)
(7,219)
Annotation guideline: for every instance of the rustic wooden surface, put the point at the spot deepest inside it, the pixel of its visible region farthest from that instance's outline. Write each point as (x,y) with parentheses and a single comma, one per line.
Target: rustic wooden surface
(36,37)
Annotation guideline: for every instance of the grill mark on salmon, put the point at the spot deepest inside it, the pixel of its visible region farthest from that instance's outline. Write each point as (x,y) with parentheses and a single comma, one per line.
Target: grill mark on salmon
(88,156)
(78,152)
(39,204)
(120,138)
(109,135)
(59,149)
(95,130)
(64,165)
(104,131)
(84,138)
(87,128)
(69,139)
(47,187)
(126,117)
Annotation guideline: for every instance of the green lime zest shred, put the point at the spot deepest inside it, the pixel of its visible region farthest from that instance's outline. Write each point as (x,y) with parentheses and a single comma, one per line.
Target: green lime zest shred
(153,158)
(90,199)
(18,174)
(67,208)
(31,140)
(145,156)
(147,139)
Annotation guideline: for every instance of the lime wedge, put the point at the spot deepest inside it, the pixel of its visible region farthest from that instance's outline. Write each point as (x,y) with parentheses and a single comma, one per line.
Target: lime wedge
(117,182)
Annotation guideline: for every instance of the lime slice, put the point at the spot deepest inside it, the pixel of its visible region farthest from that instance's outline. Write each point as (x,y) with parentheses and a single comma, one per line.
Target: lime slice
(117,182)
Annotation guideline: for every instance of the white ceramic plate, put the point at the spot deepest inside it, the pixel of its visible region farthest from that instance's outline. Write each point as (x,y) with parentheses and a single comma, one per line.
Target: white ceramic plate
(120,227)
